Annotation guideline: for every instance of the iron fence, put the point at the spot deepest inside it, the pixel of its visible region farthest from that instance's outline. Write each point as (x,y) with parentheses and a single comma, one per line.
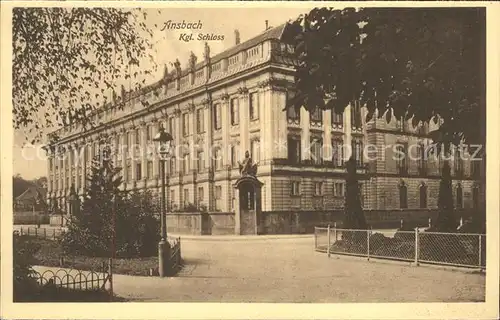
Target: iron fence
(455,249)
(43,233)
(75,279)
(175,255)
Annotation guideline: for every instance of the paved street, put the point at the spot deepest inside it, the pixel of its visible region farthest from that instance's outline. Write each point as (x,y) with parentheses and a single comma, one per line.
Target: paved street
(286,269)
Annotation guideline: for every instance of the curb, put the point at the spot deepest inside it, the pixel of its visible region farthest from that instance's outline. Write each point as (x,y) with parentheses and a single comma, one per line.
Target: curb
(241,238)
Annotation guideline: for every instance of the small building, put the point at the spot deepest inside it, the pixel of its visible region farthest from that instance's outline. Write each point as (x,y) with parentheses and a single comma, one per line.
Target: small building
(33,199)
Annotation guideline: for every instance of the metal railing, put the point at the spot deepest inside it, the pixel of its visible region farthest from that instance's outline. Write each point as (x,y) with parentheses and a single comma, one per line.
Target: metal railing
(453,249)
(75,279)
(175,255)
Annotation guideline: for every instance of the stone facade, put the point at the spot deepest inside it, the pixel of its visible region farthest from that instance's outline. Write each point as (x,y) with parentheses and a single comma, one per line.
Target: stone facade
(233,102)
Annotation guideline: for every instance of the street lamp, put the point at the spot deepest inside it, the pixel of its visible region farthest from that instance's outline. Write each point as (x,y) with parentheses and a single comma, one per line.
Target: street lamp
(164,140)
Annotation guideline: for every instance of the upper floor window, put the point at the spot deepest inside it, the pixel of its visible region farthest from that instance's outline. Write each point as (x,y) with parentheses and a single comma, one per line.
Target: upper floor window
(423,196)
(217,116)
(316,148)
(200,125)
(149,133)
(234,156)
(337,152)
(218,159)
(475,197)
(403,196)
(317,115)
(421,159)
(171,125)
(338,189)
(185,124)
(293,149)
(292,113)
(356,115)
(254,106)
(459,196)
(357,152)
(401,158)
(255,149)
(295,188)
(200,160)
(475,167)
(457,161)
(337,118)
(318,188)
(235,113)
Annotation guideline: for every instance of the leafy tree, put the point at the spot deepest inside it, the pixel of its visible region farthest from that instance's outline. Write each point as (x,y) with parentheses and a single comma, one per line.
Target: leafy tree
(90,232)
(411,63)
(64,59)
(19,185)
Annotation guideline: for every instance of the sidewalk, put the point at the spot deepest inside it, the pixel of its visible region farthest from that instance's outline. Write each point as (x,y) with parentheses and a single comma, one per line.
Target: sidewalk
(232,237)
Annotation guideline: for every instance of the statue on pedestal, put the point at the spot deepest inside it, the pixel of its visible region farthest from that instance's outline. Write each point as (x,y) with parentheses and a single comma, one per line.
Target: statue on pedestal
(247,167)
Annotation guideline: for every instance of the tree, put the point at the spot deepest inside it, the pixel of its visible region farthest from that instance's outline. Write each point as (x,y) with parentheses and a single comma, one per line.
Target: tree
(19,185)
(445,221)
(66,59)
(412,63)
(354,217)
(90,232)
(24,252)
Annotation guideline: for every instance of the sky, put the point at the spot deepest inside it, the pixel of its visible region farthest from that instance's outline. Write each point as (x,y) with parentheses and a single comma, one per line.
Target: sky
(30,162)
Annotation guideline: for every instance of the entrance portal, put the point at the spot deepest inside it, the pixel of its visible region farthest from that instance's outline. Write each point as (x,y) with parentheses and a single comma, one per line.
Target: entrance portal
(248,205)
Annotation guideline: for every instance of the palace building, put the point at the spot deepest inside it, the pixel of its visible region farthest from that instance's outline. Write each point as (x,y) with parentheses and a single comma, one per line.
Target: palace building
(225,104)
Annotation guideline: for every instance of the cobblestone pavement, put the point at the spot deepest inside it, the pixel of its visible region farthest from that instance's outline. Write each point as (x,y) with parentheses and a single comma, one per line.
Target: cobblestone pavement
(288,270)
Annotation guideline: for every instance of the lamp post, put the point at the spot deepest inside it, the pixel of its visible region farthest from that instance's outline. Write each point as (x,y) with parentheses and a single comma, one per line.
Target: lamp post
(164,140)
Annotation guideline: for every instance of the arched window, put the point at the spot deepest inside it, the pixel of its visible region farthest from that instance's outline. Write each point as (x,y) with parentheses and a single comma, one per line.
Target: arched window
(403,196)
(423,195)
(459,197)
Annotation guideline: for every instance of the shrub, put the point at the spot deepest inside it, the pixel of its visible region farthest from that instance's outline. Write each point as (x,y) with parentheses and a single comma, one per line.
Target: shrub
(23,258)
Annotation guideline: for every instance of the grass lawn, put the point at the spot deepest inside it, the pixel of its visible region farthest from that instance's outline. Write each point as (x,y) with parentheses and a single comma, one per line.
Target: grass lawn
(50,253)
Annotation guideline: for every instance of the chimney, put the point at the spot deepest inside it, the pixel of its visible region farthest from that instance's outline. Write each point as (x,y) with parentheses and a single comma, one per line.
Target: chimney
(236,37)
(267,24)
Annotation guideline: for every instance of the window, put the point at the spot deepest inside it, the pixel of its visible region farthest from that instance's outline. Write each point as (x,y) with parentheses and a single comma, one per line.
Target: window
(292,113)
(337,153)
(128,171)
(185,164)
(234,156)
(421,161)
(200,124)
(149,169)
(295,188)
(337,118)
(254,106)
(255,150)
(200,194)
(200,160)
(235,113)
(403,196)
(357,149)
(138,172)
(217,116)
(217,159)
(186,197)
(459,197)
(172,199)
(356,115)
(338,189)
(185,124)
(475,197)
(318,188)
(316,146)
(457,161)
(294,149)
(423,196)
(401,156)
(218,192)
(317,115)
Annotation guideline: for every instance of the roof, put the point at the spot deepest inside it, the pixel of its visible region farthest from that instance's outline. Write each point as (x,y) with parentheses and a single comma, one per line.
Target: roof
(31,193)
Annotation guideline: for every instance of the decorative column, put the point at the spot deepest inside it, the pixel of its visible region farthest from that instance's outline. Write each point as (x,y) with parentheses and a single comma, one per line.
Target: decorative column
(305,124)
(192,135)
(327,135)
(133,155)
(83,168)
(155,155)
(224,98)
(123,153)
(244,120)
(143,151)
(347,132)
(208,152)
